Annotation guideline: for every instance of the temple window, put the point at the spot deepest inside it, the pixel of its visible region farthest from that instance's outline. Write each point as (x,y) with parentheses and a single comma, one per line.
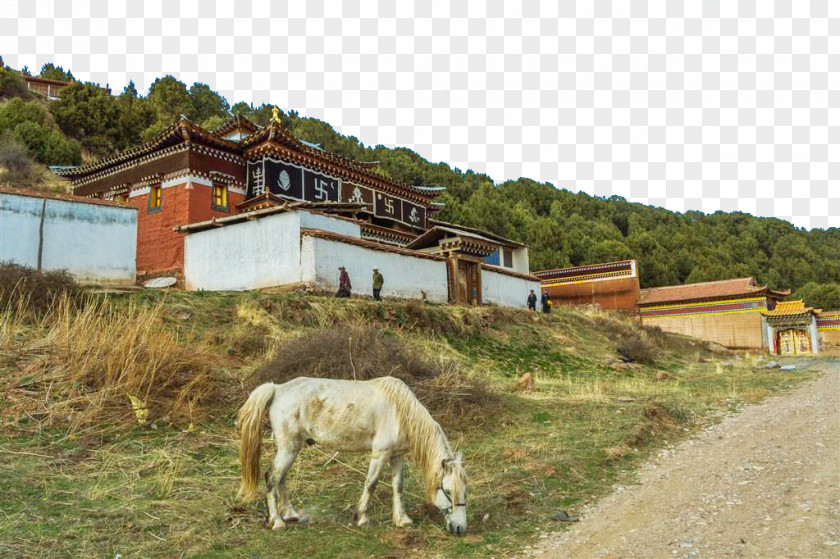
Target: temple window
(220,196)
(155,197)
(508,258)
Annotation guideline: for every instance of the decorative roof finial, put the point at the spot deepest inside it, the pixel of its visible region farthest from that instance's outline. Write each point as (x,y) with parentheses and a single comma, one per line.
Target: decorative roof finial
(275,114)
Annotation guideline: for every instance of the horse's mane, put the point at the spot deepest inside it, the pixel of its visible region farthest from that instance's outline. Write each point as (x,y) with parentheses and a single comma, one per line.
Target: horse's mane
(428,446)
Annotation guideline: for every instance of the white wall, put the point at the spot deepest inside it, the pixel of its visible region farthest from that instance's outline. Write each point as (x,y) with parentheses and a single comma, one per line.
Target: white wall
(340,226)
(405,276)
(505,290)
(520,261)
(264,252)
(94,242)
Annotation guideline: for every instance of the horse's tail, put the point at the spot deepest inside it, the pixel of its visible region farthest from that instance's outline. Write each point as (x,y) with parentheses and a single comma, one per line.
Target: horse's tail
(251,416)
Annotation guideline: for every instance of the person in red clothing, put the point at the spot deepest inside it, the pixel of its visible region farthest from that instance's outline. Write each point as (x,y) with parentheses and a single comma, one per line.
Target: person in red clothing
(344,286)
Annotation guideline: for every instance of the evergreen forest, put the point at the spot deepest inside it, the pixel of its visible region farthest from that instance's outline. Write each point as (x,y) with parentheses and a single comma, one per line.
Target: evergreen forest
(561,228)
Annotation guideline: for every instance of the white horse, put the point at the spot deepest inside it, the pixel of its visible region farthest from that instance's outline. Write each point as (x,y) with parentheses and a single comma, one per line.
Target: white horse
(381,415)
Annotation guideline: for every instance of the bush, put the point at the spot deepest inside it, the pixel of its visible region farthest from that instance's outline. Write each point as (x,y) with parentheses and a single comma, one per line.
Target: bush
(12,85)
(18,111)
(366,353)
(635,349)
(16,166)
(37,291)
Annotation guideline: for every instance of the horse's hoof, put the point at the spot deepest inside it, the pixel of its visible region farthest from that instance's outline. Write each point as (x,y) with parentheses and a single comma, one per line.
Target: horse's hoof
(404,523)
(363,521)
(278,525)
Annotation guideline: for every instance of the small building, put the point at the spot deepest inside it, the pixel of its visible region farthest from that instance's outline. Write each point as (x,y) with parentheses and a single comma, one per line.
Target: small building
(828,328)
(475,258)
(791,329)
(728,312)
(610,285)
(51,89)
(94,240)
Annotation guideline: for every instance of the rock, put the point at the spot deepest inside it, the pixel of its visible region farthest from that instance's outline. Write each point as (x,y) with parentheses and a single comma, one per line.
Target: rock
(160,283)
(771,365)
(525,382)
(787,368)
(662,375)
(563,516)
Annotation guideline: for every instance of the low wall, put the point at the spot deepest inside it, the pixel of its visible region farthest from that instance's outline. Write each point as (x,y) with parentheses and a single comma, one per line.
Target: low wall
(735,330)
(405,276)
(249,255)
(95,242)
(506,290)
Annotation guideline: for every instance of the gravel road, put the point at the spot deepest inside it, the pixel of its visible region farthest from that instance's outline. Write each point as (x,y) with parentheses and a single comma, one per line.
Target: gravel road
(762,483)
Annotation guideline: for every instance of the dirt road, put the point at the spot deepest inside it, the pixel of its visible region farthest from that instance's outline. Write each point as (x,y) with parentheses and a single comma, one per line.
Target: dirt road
(762,483)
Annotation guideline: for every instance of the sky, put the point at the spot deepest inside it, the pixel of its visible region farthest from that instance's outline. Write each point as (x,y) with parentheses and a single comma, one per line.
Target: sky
(708,106)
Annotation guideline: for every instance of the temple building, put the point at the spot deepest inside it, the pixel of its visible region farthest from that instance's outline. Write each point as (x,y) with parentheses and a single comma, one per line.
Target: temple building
(245,207)
(610,285)
(728,312)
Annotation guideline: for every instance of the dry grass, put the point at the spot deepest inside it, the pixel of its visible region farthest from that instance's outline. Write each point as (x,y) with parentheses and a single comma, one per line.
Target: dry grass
(90,361)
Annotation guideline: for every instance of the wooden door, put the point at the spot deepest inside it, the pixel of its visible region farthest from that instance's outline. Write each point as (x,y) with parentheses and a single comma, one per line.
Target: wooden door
(467,288)
(794,342)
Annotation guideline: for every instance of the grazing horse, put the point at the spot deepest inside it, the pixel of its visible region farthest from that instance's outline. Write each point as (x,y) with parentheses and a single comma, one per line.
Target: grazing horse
(381,415)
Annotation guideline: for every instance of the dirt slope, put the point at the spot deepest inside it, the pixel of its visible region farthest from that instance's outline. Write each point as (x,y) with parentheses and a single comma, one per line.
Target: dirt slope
(763,483)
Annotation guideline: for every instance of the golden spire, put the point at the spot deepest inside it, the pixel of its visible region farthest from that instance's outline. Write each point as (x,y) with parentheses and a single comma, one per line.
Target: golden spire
(275,114)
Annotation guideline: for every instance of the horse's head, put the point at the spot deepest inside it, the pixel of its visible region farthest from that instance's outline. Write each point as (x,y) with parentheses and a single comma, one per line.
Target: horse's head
(451,495)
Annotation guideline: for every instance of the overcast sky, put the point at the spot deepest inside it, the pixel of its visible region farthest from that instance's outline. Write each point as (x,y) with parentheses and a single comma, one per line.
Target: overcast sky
(731,105)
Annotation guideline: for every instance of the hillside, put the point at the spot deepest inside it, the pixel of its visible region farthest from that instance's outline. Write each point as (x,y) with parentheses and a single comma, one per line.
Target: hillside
(81,475)
(562,228)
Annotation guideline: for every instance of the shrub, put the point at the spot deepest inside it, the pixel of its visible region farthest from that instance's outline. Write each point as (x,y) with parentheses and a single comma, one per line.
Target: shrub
(635,349)
(12,85)
(18,111)
(37,291)
(16,166)
(366,353)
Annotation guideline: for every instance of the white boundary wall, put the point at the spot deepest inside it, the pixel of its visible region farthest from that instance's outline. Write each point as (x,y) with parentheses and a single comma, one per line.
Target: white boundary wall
(405,276)
(96,243)
(506,291)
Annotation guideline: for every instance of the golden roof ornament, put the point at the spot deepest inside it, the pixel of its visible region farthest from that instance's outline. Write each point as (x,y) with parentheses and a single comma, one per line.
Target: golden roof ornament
(275,114)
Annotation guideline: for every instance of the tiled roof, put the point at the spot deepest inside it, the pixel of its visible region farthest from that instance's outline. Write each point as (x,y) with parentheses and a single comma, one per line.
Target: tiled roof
(60,196)
(624,266)
(329,235)
(706,290)
(790,308)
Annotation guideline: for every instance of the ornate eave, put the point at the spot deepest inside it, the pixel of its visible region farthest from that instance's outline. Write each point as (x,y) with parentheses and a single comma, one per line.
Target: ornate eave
(182,132)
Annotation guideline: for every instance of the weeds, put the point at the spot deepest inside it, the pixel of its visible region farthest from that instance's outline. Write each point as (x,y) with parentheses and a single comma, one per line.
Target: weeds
(36,290)
(89,362)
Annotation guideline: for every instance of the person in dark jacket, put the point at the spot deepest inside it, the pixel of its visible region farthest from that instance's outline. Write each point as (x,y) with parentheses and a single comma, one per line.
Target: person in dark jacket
(546,303)
(378,282)
(344,286)
(532,301)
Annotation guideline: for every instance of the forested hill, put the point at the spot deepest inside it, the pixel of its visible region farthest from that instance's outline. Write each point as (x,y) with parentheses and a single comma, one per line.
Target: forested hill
(562,228)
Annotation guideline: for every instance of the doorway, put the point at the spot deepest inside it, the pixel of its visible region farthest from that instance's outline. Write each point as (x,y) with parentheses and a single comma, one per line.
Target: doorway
(467,283)
(793,342)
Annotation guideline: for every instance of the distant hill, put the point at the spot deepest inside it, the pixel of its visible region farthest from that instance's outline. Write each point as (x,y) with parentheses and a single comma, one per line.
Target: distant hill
(562,228)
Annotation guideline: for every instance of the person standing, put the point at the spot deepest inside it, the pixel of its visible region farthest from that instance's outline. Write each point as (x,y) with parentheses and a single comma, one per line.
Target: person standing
(546,303)
(532,301)
(378,282)
(344,286)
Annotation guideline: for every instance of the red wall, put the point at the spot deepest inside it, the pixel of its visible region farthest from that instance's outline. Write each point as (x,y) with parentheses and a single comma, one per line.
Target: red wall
(160,249)
(615,294)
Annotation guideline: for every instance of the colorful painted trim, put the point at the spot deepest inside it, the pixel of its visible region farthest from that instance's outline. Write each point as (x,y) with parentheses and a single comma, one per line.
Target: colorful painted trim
(828,323)
(752,304)
(584,278)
